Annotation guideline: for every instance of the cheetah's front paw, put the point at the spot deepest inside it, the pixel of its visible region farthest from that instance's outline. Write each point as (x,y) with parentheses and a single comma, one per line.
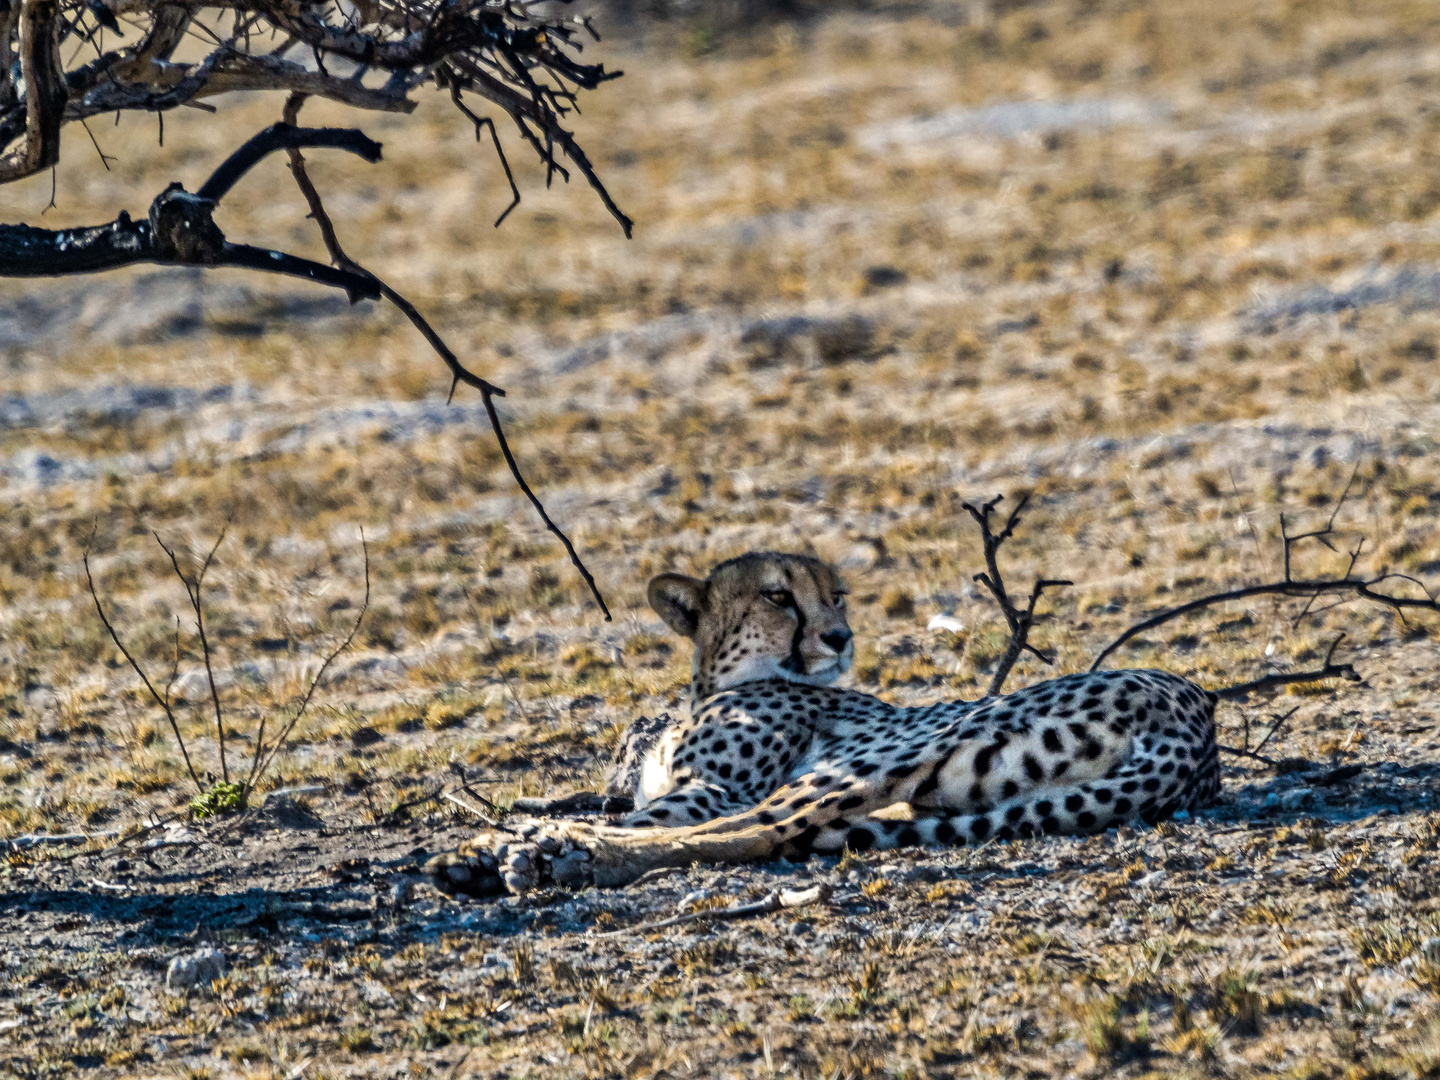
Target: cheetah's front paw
(531,857)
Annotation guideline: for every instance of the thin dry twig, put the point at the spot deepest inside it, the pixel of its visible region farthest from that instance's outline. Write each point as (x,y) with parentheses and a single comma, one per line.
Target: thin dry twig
(1020,621)
(1255,754)
(192,590)
(163,702)
(265,755)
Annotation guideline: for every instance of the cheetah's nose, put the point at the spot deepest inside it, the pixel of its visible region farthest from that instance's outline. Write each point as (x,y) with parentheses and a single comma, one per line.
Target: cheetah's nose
(837,639)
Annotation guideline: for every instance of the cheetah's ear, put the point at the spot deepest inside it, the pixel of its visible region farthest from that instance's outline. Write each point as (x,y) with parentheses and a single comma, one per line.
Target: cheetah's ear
(676,599)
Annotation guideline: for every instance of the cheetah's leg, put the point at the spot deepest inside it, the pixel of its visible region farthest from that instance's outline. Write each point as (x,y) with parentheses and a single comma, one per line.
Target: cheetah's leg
(575,854)
(1127,793)
(687,804)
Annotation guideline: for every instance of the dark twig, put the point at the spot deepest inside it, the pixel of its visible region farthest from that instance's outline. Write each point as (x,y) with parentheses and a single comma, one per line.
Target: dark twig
(458,372)
(1363,588)
(263,755)
(192,590)
(1279,722)
(283,136)
(1322,534)
(1019,621)
(1328,670)
(481,122)
(1255,754)
(163,702)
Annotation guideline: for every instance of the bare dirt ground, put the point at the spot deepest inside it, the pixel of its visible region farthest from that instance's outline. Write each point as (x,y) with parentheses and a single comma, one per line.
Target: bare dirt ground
(1174,268)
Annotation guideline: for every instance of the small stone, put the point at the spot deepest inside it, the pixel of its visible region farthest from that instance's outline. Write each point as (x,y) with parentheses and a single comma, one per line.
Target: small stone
(548,844)
(1430,949)
(502,850)
(458,873)
(520,861)
(689,900)
(199,968)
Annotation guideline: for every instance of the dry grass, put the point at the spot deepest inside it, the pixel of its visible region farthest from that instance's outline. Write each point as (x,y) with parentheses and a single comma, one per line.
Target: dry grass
(1115,304)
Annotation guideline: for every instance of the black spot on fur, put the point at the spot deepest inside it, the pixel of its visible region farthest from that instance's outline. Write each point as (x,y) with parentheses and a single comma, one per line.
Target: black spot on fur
(859,839)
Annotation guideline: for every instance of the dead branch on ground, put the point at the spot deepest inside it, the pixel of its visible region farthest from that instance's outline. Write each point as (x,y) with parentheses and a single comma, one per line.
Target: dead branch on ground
(1349,585)
(1244,751)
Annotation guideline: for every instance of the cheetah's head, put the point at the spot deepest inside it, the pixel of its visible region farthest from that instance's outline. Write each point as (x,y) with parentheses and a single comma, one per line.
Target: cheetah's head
(759,616)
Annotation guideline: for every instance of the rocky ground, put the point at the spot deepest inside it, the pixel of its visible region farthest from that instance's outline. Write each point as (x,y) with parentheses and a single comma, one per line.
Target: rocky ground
(1174,269)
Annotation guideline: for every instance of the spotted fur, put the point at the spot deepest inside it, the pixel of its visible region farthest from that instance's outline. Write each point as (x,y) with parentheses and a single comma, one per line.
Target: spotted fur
(773,758)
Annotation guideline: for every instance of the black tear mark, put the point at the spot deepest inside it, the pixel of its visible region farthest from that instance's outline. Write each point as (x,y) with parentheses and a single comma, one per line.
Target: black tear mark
(797,661)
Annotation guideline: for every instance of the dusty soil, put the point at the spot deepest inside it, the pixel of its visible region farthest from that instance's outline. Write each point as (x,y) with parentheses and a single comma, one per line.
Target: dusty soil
(1173,268)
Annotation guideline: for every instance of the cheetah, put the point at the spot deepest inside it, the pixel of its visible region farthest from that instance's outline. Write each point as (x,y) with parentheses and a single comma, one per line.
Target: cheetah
(776,760)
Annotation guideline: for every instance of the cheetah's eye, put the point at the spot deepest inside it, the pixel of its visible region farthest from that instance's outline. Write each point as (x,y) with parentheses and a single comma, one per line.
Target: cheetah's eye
(781,598)
(838,600)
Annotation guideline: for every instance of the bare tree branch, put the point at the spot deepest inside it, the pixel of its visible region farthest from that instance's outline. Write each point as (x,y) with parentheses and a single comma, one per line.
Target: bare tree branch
(46,91)
(1019,621)
(458,372)
(521,56)
(1363,588)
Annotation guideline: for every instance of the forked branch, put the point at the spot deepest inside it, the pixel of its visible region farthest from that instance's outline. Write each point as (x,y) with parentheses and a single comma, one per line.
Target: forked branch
(1328,670)
(1019,620)
(1349,586)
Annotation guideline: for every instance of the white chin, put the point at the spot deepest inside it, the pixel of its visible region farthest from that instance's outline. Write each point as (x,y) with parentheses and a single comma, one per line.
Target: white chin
(820,675)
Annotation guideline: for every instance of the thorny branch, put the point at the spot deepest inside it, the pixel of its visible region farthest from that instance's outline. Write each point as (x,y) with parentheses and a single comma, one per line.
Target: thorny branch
(373,55)
(515,54)
(458,372)
(1019,620)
